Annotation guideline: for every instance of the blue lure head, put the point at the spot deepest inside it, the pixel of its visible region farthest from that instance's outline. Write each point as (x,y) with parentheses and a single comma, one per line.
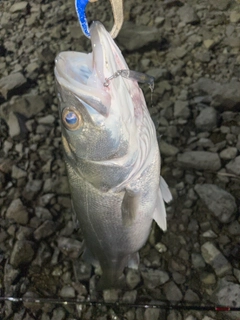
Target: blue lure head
(80,6)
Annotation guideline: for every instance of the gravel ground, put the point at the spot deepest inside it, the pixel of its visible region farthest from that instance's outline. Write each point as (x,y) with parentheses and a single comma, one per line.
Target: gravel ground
(192,49)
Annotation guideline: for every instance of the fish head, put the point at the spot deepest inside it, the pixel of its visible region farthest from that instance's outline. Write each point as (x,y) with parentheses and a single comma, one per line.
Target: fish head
(98,122)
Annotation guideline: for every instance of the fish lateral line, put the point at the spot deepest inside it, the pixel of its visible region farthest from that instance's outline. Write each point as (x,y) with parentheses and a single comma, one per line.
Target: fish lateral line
(132,75)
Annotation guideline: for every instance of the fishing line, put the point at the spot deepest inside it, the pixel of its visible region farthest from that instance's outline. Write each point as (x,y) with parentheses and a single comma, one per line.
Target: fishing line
(164,306)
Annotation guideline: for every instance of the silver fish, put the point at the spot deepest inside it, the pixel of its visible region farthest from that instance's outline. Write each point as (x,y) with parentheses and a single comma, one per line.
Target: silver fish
(111,154)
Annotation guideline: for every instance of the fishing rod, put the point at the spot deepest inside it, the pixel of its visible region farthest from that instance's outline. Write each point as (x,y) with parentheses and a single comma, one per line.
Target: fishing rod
(164,306)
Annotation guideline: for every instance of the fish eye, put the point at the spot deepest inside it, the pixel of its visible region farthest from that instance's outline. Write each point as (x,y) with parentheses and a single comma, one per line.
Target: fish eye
(71,118)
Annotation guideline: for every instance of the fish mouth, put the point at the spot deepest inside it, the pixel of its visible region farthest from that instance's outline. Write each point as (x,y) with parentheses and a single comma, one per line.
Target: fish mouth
(85,74)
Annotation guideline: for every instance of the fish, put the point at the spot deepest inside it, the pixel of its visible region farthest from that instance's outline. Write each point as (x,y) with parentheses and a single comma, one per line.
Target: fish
(111,154)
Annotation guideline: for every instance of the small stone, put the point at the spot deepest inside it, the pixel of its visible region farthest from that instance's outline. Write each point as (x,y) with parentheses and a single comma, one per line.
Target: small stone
(13,125)
(197,260)
(132,278)
(46,229)
(70,247)
(22,253)
(18,173)
(191,296)
(110,295)
(207,119)
(216,259)
(49,119)
(228,153)
(10,83)
(181,109)
(32,188)
(208,278)
(209,43)
(17,212)
(188,15)
(19,6)
(234,166)
(130,296)
(234,16)
(153,278)
(151,314)
(221,203)
(140,36)
(67,292)
(167,150)
(172,292)
(199,160)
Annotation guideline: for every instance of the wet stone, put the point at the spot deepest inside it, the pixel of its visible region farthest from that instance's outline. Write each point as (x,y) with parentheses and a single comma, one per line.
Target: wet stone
(221,203)
(22,253)
(215,258)
(46,229)
(132,278)
(200,160)
(153,278)
(70,247)
(172,292)
(17,212)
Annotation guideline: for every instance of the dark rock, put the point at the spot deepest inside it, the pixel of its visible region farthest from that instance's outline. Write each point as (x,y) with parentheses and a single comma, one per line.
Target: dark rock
(153,278)
(139,37)
(199,160)
(17,212)
(70,247)
(32,188)
(221,203)
(207,119)
(22,253)
(188,15)
(234,166)
(45,230)
(11,83)
(172,292)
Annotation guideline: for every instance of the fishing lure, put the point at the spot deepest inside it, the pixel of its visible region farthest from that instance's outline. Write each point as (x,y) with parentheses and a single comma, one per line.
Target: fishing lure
(117,8)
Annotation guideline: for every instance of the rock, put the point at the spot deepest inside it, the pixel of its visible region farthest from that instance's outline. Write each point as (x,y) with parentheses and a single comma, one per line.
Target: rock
(17,212)
(172,292)
(234,16)
(151,314)
(132,278)
(45,230)
(188,15)
(32,188)
(19,6)
(130,296)
(234,166)
(197,260)
(18,173)
(110,295)
(67,292)
(199,160)
(216,259)
(58,184)
(206,85)
(221,203)
(22,253)
(228,153)
(207,119)
(227,294)
(153,278)
(11,83)
(13,125)
(220,4)
(227,96)
(49,119)
(28,105)
(70,247)
(209,43)
(181,109)
(139,37)
(167,150)
(46,55)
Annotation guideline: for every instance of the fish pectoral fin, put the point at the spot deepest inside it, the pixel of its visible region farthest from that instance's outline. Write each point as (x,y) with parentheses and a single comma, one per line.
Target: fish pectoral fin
(166,194)
(133,260)
(159,214)
(130,206)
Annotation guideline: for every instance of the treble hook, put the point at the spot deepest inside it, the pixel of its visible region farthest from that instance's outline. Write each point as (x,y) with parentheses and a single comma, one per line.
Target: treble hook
(117,8)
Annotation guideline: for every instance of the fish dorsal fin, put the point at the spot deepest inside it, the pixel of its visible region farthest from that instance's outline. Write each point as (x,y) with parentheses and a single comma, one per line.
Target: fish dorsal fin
(166,194)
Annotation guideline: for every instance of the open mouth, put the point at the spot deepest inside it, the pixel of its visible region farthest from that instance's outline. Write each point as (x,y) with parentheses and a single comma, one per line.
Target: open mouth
(85,74)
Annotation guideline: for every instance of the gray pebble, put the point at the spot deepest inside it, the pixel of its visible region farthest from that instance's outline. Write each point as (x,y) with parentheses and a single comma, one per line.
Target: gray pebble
(10,83)
(70,247)
(153,277)
(132,278)
(199,160)
(234,166)
(215,258)
(181,109)
(221,203)
(172,292)
(67,292)
(22,253)
(46,229)
(17,211)
(207,119)
(151,314)
(188,15)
